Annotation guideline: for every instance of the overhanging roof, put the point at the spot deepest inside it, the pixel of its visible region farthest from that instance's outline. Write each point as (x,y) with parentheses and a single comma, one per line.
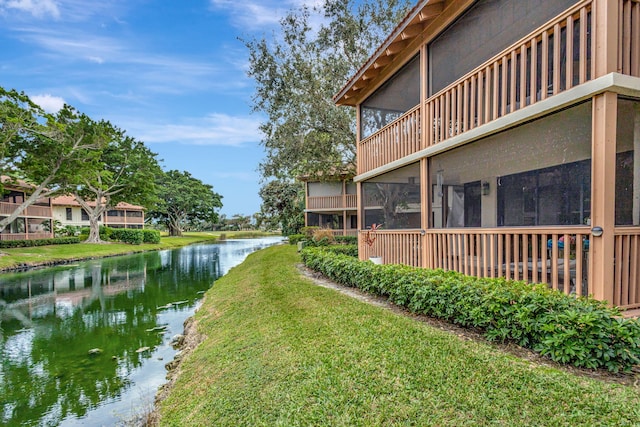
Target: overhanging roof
(411,27)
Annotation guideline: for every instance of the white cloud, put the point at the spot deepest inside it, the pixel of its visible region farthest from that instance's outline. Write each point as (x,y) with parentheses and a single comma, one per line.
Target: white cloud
(37,8)
(215,129)
(50,103)
(256,14)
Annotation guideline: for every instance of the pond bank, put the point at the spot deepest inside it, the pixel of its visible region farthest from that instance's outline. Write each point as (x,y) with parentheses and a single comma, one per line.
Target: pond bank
(278,349)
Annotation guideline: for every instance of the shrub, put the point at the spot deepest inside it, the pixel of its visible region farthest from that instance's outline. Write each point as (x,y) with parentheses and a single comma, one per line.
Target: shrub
(127,235)
(347,240)
(295,238)
(323,237)
(308,231)
(350,250)
(5,244)
(580,331)
(150,236)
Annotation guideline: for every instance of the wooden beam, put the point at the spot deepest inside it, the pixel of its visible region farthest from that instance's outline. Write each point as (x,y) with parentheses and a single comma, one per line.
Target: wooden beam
(431,11)
(382,61)
(411,31)
(395,48)
(370,74)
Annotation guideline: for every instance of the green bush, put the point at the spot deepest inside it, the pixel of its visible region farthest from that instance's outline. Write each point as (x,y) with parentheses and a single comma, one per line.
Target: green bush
(295,238)
(580,331)
(308,231)
(347,240)
(350,250)
(5,244)
(127,235)
(150,236)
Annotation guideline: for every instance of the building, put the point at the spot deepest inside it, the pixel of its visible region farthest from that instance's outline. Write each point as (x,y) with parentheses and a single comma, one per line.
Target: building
(331,204)
(68,211)
(498,138)
(34,222)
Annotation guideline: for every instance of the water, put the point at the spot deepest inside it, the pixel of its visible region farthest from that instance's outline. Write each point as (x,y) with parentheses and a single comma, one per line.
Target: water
(125,309)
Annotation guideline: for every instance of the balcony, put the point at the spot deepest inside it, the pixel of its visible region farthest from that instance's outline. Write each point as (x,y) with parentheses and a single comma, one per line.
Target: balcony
(347,201)
(529,71)
(33,211)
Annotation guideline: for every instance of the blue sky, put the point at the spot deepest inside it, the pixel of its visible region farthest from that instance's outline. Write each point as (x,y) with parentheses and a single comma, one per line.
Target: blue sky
(171,73)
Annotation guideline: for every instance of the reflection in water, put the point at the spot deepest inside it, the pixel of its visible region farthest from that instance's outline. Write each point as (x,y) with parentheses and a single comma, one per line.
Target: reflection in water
(50,320)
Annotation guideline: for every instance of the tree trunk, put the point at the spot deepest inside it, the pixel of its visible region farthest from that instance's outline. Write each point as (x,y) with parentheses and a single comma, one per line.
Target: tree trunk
(174,231)
(94,231)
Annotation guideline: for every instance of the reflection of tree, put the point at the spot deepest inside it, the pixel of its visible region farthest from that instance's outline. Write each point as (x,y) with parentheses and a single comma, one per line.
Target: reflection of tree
(47,374)
(374,119)
(393,199)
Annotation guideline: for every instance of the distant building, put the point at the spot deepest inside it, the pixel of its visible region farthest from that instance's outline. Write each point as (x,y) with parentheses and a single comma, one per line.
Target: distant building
(331,204)
(34,222)
(68,211)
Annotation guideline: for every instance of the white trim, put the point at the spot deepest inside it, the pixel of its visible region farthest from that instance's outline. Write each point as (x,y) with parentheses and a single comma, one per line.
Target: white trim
(614,82)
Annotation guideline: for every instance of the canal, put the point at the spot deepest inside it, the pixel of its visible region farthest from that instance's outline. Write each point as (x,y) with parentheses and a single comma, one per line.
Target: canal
(87,344)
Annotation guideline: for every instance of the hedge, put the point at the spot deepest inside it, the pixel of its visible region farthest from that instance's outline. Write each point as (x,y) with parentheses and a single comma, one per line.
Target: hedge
(578,331)
(127,235)
(38,242)
(150,236)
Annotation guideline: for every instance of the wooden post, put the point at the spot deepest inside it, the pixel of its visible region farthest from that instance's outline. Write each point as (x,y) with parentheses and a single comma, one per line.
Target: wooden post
(636,164)
(424,208)
(605,16)
(603,186)
(344,207)
(360,205)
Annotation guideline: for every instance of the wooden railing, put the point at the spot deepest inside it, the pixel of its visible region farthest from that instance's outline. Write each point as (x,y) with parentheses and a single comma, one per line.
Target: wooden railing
(626,283)
(394,141)
(332,202)
(31,211)
(350,232)
(395,247)
(536,255)
(123,220)
(529,71)
(25,236)
(629,37)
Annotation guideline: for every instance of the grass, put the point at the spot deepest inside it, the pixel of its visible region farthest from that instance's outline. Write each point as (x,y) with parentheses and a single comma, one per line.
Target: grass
(281,351)
(39,255)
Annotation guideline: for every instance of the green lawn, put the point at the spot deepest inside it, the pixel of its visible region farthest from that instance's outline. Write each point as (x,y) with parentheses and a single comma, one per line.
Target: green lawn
(281,351)
(15,257)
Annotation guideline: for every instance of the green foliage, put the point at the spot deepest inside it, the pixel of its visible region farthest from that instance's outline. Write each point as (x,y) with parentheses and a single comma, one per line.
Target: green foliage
(150,236)
(347,240)
(127,235)
(183,199)
(309,230)
(298,72)
(295,238)
(583,332)
(49,151)
(283,206)
(5,244)
(349,250)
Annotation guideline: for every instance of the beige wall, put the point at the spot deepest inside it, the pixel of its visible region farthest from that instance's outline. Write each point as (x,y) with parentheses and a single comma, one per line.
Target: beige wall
(564,137)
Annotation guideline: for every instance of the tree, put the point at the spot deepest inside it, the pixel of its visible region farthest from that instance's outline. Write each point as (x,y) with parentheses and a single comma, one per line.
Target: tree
(183,199)
(297,75)
(124,169)
(43,149)
(282,206)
